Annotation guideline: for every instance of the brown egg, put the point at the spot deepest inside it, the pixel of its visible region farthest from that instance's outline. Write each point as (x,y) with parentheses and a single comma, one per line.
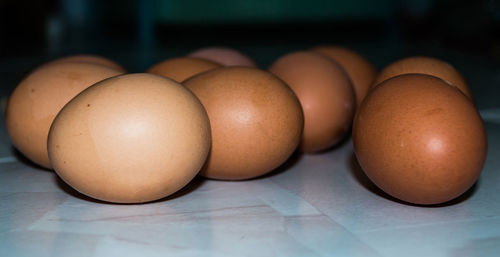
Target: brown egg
(425,65)
(360,70)
(225,56)
(256,121)
(326,95)
(419,139)
(180,69)
(94,59)
(130,139)
(40,96)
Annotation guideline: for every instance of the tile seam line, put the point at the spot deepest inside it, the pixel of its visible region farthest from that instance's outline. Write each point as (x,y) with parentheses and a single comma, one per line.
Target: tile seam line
(330,219)
(426,225)
(8,159)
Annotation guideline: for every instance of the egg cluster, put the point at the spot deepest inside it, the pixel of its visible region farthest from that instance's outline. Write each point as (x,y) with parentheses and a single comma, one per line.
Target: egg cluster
(132,138)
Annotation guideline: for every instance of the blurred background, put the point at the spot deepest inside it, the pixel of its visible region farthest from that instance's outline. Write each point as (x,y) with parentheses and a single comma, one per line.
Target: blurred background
(139,33)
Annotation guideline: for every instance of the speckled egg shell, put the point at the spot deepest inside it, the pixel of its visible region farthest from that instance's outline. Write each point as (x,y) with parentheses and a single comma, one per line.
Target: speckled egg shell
(419,139)
(425,65)
(256,121)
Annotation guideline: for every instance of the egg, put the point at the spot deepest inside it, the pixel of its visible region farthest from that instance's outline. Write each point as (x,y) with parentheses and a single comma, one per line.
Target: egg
(256,121)
(130,139)
(425,65)
(35,102)
(326,95)
(181,68)
(360,70)
(93,59)
(419,139)
(223,55)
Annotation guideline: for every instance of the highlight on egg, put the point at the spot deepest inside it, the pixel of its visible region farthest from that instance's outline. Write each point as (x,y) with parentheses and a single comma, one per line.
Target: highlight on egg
(256,121)
(130,139)
(419,139)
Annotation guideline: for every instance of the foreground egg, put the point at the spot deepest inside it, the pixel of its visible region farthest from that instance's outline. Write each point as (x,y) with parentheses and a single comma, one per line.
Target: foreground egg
(40,96)
(326,95)
(425,65)
(419,139)
(181,68)
(130,139)
(255,117)
(360,70)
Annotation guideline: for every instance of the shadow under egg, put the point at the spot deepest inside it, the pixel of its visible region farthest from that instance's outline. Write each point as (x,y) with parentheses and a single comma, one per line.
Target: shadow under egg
(360,176)
(191,186)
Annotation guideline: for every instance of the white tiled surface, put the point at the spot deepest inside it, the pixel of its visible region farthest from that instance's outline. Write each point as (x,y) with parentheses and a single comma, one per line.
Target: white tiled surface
(315,205)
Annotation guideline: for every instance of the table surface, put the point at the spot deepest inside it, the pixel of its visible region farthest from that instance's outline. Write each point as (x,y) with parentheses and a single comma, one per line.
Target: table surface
(314,205)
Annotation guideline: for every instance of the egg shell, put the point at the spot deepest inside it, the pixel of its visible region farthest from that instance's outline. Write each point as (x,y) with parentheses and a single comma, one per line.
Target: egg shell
(223,55)
(361,71)
(130,139)
(36,101)
(425,65)
(181,68)
(325,93)
(93,59)
(419,139)
(256,121)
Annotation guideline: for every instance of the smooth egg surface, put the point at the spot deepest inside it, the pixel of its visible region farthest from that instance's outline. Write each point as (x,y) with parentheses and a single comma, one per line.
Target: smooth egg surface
(361,71)
(224,56)
(325,93)
(181,68)
(88,58)
(419,139)
(36,101)
(130,139)
(425,65)
(256,121)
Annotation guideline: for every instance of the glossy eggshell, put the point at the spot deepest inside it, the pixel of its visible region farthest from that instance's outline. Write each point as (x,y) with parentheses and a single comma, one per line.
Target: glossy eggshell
(93,59)
(360,70)
(223,55)
(181,68)
(425,65)
(130,139)
(419,139)
(256,121)
(326,95)
(40,96)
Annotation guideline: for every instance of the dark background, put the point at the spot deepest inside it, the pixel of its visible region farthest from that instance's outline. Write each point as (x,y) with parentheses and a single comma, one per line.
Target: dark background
(140,33)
